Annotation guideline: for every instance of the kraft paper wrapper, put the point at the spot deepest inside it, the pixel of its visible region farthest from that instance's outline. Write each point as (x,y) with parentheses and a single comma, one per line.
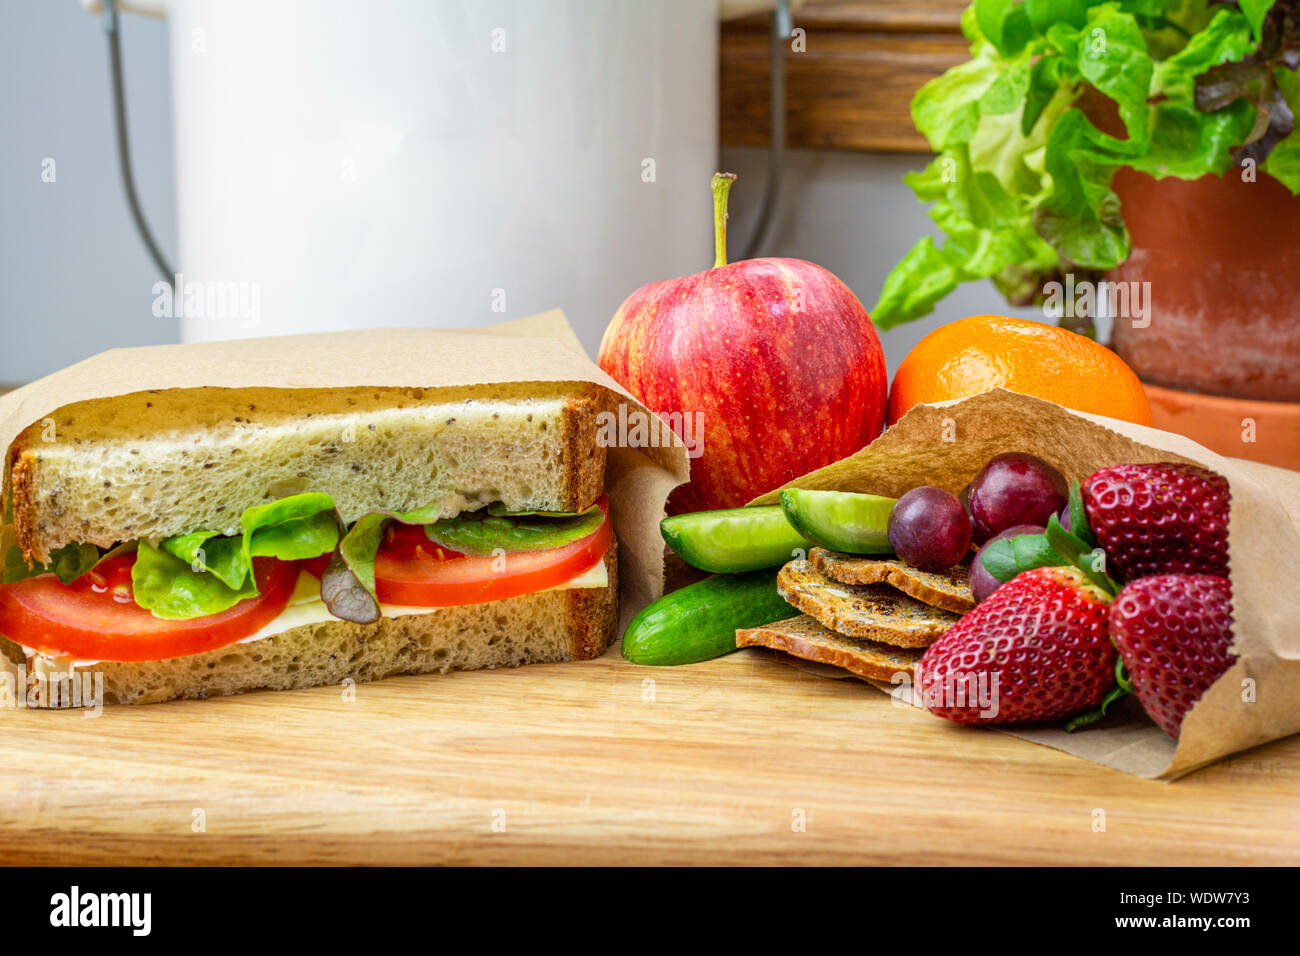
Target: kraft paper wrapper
(541,348)
(1264,555)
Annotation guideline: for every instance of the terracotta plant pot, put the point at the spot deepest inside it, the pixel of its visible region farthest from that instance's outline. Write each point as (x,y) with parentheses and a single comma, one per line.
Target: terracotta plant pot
(1221,353)
(1240,427)
(1222,257)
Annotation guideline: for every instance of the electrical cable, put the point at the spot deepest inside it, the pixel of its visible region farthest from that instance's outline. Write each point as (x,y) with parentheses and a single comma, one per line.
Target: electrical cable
(123,147)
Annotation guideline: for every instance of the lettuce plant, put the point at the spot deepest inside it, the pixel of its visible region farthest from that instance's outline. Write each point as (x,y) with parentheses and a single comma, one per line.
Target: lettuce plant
(1021,183)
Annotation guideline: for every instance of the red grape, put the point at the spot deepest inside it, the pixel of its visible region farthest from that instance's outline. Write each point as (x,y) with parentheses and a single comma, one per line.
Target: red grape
(1014,488)
(929,529)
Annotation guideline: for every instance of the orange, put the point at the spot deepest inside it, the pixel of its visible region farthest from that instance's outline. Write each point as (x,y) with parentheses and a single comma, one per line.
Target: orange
(972,355)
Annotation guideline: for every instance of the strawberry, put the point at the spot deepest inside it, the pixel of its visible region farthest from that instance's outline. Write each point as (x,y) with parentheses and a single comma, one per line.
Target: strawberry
(1173,632)
(1155,519)
(1036,649)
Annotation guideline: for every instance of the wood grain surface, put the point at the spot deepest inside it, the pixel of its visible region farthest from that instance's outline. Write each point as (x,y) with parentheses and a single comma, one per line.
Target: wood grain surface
(604,762)
(851,85)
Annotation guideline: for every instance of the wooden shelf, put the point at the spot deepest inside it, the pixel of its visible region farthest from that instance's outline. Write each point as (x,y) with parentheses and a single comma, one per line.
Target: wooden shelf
(851,88)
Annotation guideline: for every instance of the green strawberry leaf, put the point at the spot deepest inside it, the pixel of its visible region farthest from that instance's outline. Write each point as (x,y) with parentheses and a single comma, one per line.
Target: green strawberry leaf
(1056,547)
(1007,557)
(1076,552)
(1123,687)
(1079,517)
(1122,677)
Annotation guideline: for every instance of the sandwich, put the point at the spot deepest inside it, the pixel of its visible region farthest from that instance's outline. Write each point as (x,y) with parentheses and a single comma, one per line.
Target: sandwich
(195,542)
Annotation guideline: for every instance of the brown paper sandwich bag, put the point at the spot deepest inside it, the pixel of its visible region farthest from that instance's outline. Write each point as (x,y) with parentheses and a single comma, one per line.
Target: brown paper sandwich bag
(541,348)
(1258,699)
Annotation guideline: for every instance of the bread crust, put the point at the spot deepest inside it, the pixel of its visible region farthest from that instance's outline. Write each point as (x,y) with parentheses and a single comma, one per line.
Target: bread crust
(22,465)
(594,613)
(585,480)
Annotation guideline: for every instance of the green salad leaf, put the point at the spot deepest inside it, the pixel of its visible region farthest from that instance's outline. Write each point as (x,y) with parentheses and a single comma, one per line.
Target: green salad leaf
(1255,11)
(1283,163)
(169,587)
(1021,183)
(479,533)
(202,573)
(68,563)
(348,584)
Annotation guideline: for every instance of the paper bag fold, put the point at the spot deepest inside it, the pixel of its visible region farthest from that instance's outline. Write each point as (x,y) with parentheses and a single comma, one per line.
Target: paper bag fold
(541,348)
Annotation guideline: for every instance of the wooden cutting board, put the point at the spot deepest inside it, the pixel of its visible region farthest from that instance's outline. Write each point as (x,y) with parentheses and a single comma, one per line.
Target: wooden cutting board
(743,760)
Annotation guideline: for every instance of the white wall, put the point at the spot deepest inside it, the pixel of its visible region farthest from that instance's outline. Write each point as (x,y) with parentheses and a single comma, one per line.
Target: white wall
(74,276)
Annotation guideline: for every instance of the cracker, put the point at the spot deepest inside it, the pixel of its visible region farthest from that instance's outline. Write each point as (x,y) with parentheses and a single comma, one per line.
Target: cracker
(804,638)
(876,612)
(949,589)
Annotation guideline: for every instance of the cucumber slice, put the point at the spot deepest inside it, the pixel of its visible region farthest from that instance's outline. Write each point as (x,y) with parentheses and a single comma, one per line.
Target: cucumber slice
(699,622)
(733,539)
(840,520)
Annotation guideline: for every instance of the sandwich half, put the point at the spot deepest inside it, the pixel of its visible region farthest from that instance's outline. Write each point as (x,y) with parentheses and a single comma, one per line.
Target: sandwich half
(188,543)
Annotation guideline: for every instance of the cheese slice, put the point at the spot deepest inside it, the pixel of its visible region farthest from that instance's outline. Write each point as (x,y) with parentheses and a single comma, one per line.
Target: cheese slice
(306,607)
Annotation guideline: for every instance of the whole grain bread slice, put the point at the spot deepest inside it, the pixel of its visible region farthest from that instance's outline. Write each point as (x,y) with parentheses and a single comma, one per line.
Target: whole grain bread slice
(158,463)
(876,612)
(949,589)
(805,638)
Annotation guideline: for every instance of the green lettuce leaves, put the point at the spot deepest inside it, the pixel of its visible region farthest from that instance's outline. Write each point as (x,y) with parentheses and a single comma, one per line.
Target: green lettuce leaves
(202,573)
(478,533)
(1021,180)
(67,563)
(348,584)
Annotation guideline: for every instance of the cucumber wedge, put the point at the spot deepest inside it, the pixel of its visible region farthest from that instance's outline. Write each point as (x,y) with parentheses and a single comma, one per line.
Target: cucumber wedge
(840,520)
(734,539)
(699,622)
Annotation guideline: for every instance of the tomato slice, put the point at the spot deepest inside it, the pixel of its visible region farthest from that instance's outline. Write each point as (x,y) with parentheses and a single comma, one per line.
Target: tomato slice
(96,618)
(411,570)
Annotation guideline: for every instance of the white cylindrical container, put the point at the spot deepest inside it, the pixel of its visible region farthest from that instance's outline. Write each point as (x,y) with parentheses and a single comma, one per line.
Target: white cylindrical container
(437,162)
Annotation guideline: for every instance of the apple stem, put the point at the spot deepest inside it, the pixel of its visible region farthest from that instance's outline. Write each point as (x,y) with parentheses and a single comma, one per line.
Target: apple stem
(721,187)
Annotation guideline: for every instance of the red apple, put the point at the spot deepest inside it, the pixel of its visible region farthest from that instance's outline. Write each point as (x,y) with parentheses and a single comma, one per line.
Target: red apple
(777,355)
